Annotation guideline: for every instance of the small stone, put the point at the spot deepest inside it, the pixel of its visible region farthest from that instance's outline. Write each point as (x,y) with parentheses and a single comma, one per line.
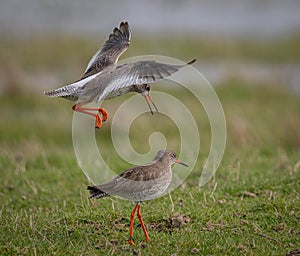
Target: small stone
(280,227)
(181,203)
(120,225)
(114,242)
(247,193)
(222,201)
(194,250)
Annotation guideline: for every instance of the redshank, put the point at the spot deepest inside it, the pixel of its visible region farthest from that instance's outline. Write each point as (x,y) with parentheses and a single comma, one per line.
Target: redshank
(104,79)
(140,183)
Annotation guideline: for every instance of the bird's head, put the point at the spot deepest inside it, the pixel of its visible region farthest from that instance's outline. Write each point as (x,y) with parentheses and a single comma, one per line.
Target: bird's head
(144,89)
(169,156)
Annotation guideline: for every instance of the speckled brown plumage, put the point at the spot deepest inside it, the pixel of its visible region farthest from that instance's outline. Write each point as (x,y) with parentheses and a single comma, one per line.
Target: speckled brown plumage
(140,183)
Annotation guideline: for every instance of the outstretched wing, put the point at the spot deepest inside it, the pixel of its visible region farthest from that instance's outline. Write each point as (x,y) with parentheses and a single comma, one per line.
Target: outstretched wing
(140,72)
(109,54)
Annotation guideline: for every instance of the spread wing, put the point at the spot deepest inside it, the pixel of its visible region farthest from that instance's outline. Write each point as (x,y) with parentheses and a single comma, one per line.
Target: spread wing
(144,72)
(109,54)
(140,72)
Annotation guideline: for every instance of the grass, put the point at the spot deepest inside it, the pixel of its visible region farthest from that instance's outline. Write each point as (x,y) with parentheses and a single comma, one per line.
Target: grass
(251,207)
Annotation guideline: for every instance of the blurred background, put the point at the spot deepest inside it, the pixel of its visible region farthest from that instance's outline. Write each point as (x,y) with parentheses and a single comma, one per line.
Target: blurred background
(46,43)
(248,50)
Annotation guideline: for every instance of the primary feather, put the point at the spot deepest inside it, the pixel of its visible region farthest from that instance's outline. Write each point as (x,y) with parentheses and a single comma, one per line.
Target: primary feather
(117,43)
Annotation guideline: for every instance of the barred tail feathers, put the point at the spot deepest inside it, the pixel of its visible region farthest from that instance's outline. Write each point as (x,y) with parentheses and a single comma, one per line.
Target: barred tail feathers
(72,90)
(61,92)
(95,192)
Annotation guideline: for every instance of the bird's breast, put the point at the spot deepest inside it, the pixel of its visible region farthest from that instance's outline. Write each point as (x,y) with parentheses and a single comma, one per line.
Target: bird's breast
(118,92)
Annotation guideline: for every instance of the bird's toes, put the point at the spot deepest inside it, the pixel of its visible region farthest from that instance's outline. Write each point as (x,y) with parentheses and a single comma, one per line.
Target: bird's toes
(130,241)
(98,122)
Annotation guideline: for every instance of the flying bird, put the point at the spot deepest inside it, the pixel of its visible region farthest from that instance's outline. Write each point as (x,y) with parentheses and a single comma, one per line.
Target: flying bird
(104,79)
(140,183)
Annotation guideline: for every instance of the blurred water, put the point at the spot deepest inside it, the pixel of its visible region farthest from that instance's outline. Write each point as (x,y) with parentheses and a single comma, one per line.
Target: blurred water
(231,17)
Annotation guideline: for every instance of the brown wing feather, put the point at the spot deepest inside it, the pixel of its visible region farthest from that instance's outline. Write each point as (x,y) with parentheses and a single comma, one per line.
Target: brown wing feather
(116,44)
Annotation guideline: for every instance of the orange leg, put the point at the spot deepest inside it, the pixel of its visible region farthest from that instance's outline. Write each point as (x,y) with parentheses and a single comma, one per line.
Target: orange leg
(78,108)
(142,223)
(104,114)
(130,240)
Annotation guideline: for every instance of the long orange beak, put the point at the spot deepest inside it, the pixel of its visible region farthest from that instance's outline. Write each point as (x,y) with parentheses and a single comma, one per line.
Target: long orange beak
(180,162)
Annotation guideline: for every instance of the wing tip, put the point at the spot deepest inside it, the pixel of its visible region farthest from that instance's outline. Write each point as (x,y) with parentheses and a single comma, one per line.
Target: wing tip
(122,31)
(96,193)
(124,27)
(49,93)
(191,62)
(124,23)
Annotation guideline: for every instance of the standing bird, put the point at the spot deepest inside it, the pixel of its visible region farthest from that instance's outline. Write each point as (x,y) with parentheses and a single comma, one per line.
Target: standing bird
(140,183)
(104,79)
